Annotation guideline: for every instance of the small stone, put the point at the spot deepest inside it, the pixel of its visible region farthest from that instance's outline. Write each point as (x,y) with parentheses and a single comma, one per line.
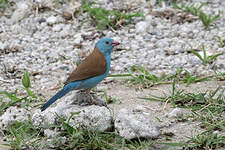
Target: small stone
(148,18)
(219,50)
(41,20)
(51,20)
(2,46)
(64,68)
(38,1)
(139,108)
(77,39)
(67,15)
(141,27)
(57,27)
(177,112)
(216,132)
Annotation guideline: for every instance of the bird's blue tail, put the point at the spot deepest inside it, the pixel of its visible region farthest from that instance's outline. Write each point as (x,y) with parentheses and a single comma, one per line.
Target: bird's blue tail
(57,96)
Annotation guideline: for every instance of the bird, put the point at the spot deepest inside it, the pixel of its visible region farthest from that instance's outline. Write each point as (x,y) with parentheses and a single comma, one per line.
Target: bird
(92,70)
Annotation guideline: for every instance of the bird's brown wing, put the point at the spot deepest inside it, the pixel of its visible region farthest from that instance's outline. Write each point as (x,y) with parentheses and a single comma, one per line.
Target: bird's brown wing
(95,64)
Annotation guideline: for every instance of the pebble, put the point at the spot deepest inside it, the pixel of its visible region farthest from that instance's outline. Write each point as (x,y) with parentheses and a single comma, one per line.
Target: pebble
(57,27)
(177,112)
(41,20)
(141,27)
(51,20)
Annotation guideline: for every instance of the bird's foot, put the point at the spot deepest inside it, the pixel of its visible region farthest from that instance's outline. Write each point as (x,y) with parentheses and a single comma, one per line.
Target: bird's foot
(86,98)
(94,101)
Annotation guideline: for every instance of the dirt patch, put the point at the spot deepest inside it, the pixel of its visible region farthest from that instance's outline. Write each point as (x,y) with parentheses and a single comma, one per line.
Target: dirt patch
(172,129)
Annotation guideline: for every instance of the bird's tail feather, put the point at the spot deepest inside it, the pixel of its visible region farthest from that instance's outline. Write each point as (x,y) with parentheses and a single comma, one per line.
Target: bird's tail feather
(57,96)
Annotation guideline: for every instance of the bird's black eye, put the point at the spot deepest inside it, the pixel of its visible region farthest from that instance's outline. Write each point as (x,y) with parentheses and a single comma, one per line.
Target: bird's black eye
(107,42)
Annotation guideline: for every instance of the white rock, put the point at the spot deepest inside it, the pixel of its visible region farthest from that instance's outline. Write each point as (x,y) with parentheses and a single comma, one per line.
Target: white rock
(177,112)
(38,1)
(89,117)
(139,108)
(51,20)
(57,27)
(141,27)
(216,132)
(148,18)
(130,125)
(2,45)
(77,38)
(13,114)
(163,43)
(40,118)
(117,67)
(219,50)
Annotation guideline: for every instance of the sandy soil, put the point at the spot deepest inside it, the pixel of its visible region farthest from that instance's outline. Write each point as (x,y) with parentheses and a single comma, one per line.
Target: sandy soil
(172,130)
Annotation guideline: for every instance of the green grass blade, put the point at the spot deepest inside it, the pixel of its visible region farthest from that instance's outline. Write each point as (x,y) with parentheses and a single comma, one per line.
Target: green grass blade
(197,54)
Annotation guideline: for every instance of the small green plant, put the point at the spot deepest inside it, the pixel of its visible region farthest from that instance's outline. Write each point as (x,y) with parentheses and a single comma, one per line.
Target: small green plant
(3,3)
(176,97)
(219,76)
(187,100)
(14,99)
(211,115)
(110,99)
(207,107)
(57,3)
(205,59)
(221,41)
(26,79)
(190,8)
(26,83)
(23,135)
(205,141)
(188,78)
(80,138)
(139,75)
(104,18)
(207,20)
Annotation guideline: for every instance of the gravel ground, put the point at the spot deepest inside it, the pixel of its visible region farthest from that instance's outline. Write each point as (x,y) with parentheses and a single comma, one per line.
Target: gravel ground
(49,46)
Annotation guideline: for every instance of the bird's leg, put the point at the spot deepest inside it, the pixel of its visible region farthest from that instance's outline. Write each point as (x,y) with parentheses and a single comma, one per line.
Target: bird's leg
(88,91)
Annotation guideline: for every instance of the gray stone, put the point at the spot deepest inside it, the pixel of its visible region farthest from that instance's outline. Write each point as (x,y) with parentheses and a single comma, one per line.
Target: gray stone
(132,125)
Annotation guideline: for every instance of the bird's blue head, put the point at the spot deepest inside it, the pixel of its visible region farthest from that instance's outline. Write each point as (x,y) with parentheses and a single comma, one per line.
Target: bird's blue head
(105,45)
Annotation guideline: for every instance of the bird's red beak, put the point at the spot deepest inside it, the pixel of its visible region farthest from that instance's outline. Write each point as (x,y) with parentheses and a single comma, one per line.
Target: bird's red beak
(114,43)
